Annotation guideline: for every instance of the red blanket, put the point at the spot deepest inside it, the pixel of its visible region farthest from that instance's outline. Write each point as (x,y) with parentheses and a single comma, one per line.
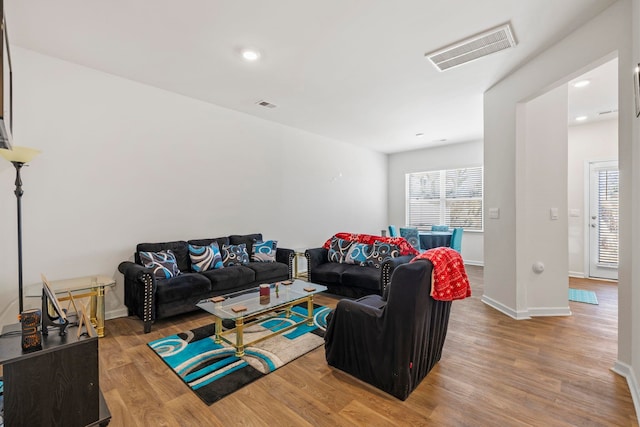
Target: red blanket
(450,279)
(400,242)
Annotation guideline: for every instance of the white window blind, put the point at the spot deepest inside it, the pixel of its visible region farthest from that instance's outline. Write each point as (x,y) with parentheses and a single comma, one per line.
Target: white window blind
(452,197)
(608,218)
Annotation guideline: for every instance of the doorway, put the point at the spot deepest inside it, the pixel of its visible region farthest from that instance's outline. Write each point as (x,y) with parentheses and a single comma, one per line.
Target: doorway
(603,220)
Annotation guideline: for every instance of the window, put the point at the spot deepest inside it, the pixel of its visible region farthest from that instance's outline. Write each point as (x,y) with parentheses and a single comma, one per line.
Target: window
(452,197)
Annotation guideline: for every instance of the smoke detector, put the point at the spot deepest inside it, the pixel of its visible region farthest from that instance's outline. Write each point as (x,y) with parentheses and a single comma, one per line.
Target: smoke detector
(472,48)
(266,104)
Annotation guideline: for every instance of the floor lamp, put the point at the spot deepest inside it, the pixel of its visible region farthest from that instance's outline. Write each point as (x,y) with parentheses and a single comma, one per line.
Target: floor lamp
(19,156)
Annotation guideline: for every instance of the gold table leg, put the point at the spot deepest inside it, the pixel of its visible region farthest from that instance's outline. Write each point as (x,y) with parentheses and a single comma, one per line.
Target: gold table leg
(310,310)
(217,339)
(239,336)
(97,310)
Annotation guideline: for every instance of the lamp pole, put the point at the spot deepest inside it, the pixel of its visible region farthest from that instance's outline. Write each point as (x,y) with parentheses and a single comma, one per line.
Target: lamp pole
(19,156)
(18,192)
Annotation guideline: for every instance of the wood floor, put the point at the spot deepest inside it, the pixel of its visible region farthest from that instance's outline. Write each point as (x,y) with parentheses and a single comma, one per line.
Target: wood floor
(494,371)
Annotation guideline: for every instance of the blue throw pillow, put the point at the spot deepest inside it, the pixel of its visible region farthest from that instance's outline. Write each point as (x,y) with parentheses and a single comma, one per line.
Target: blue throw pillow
(234,255)
(358,253)
(380,253)
(264,251)
(338,249)
(205,258)
(163,263)
(412,235)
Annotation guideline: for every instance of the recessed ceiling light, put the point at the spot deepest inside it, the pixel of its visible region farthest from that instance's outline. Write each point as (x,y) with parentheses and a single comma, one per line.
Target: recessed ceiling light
(419,135)
(581,118)
(250,55)
(581,83)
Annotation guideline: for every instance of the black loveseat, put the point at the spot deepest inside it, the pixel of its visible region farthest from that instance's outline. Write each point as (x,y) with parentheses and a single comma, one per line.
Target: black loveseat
(390,341)
(350,280)
(151,298)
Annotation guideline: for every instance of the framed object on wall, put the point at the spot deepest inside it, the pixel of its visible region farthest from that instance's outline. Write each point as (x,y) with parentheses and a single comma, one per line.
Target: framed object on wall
(636,88)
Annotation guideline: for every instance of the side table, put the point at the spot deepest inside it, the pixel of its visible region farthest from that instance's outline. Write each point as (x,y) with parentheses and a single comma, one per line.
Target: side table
(297,274)
(93,287)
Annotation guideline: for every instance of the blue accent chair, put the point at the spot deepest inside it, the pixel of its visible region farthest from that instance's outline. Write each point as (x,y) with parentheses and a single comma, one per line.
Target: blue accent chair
(456,239)
(439,228)
(412,235)
(393,231)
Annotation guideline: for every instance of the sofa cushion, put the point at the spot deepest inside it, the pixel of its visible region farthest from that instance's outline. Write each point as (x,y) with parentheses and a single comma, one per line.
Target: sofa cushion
(179,248)
(162,263)
(338,250)
(358,253)
(205,258)
(330,272)
(269,271)
(247,239)
(361,277)
(264,251)
(181,287)
(235,255)
(227,278)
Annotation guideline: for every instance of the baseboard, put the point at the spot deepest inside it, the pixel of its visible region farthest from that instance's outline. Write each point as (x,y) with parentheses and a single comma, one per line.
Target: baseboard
(626,371)
(577,274)
(549,311)
(504,309)
(114,314)
(476,263)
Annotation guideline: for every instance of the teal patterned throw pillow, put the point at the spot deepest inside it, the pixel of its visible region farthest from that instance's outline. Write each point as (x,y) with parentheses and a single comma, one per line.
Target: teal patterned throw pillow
(234,255)
(264,251)
(163,263)
(358,253)
(338,250)
(205,258)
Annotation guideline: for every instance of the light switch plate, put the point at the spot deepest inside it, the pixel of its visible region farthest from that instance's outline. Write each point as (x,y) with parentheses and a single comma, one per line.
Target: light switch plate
(494,213)
(554,213)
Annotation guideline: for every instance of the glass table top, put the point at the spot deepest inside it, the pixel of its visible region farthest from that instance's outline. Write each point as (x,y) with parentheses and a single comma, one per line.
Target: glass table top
(254,303)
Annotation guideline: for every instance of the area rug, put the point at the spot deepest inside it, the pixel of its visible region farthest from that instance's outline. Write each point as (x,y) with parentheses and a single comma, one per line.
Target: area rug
(580,295)
(213,370)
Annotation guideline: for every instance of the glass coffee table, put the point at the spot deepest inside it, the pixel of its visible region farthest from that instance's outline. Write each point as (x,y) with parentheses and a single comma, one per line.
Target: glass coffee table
(249,307)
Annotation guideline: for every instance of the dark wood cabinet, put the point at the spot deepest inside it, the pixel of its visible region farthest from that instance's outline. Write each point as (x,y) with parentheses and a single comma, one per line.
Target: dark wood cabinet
(56,386)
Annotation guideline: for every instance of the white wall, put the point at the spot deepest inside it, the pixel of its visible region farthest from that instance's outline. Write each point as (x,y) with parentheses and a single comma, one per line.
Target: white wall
(124,163)
(590,142)
(445,157)
(594,43)
(541,185)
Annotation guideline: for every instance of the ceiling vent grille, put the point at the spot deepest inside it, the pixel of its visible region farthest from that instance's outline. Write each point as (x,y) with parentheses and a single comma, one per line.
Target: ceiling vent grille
(472,48)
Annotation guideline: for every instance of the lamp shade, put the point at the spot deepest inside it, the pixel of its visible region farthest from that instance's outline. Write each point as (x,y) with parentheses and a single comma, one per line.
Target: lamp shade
(19,154)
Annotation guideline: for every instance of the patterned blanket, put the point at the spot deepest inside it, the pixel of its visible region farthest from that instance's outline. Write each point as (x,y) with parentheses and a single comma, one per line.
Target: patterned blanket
(400,242)
(450,281)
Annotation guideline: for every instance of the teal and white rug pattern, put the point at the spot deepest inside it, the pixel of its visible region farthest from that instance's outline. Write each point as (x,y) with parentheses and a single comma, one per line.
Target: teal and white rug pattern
(580,295)
(213,370)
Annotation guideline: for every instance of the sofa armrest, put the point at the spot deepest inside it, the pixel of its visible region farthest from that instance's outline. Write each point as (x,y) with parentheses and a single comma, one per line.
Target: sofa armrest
(315,257)
(387,270)
(286,256)
(139,292)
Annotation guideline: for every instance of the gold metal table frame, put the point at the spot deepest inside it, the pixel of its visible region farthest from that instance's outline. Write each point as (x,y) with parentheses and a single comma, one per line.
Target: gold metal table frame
(255,314)
(72,290)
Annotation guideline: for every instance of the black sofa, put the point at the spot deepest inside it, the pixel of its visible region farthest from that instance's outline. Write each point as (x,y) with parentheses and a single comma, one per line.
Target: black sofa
(390,341)
(151,298)
(350,280)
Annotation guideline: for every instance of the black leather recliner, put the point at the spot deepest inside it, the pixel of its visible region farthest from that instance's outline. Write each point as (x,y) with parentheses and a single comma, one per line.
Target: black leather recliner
(390,341)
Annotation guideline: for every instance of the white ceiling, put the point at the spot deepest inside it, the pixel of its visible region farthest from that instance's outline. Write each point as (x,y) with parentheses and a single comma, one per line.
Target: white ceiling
(351,70)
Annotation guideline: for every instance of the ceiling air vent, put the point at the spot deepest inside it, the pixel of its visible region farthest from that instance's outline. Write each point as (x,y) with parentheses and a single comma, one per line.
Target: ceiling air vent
(266,104)
(472,48)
